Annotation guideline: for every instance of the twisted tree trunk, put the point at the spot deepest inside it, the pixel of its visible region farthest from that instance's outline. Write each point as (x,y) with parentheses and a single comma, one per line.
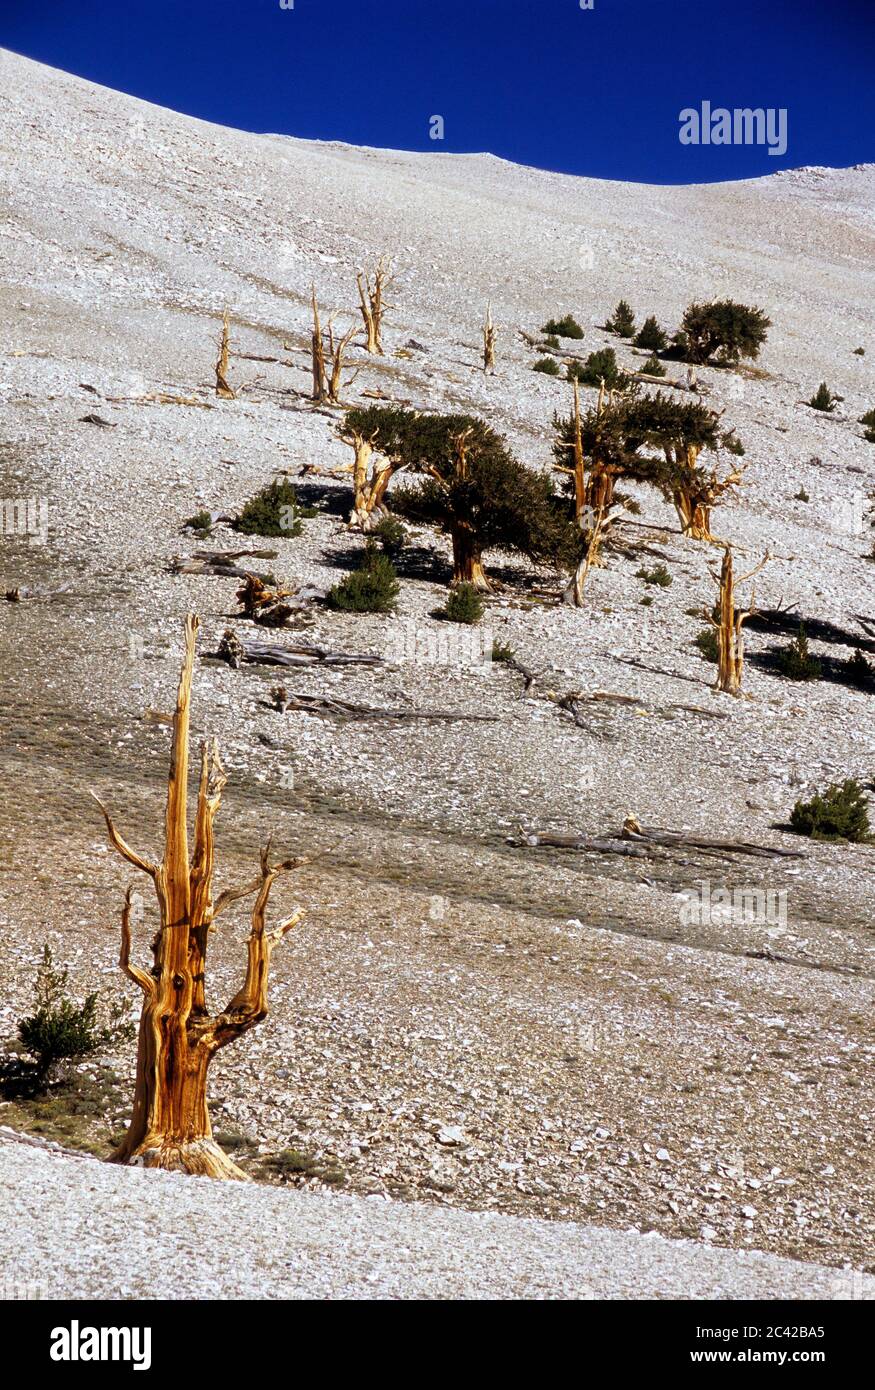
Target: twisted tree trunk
(170,1126)
(467,561)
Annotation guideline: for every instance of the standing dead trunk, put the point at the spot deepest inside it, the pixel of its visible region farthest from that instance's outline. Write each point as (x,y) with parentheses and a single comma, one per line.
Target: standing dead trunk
(222,387)
(489,335)
(369,480)
(372,304)
(317,351)
(170,1126)
(729,622)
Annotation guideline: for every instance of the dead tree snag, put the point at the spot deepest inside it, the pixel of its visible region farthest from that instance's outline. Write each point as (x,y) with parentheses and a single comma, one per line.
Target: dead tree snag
(372,303)
(489,335)
(222,387)
(728,624)
(170,1126)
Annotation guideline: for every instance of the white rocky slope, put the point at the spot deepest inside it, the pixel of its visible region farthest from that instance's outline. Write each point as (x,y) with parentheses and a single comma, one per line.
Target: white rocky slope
(75,1229)
(557,1010)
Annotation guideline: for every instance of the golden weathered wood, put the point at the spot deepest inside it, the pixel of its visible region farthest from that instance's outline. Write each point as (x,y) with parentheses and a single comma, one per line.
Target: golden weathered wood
(170,1126)
(728,624)
(222,387)
(372,303)
(489,335)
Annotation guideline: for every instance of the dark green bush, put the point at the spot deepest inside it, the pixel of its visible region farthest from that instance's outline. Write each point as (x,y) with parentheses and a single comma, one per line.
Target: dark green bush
(823,399)
(391,535)
(839,813)
(551,341)
(566,327)
(708,644)
(623,321)
(372,588)
(273,511)
(653,366)
(650,336)
(869,421)
(599,366)
(201,523)
(501,651)
(801,496)
(859,672)
(795,661)
(548,365)
(61,1030)
(464,605)
(658,575)
(723,329)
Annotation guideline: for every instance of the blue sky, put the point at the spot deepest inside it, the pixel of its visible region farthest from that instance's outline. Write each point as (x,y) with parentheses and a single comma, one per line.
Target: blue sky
(542,82)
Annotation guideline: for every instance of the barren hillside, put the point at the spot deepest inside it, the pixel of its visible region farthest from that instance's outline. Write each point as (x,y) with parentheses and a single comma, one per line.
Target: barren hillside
(461,1018)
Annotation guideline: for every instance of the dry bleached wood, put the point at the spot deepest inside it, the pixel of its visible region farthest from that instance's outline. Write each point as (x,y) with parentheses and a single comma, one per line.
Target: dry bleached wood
(342,709)
(643,840)
(238,652)
(179,1036)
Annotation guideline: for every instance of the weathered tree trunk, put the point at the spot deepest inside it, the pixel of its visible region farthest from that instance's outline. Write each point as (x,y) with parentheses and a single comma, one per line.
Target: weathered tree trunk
(467,562)
(372,305)
(317,351)
(730,639)
(170,1126)
(489,335)
(369,481)
(222,387)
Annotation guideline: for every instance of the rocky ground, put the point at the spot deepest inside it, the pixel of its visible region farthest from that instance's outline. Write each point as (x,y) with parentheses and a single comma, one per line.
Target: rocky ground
(458,1019)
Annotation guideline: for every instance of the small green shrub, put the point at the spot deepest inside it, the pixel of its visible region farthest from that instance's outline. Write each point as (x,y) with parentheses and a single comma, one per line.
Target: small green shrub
(650,336)
(273,511)
(464,605)
(839,813)
(201,523)
(391,535)
(623,321)
(708,644)
(801,496)
(659,575)
(599,366)
(548,365)
(859,672)
(646,600)
(653,366)
(61,1030)
(502,652)
(860,352)
(869,421)
(372,588)
(823,399)
(566,327)
(795,661)
(551,341)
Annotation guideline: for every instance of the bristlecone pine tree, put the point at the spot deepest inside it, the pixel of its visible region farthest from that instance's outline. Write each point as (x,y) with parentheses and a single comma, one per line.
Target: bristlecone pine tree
(222,387)
(489,342)
(328,384)
(728,625)
(179,1037)
(372,303)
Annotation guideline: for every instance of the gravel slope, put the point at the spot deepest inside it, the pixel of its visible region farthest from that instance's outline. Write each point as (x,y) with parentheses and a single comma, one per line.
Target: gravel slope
(603,1058)
(83,1230)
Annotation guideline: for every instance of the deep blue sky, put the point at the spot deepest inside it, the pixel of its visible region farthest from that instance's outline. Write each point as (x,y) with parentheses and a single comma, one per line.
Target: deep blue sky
(538,81)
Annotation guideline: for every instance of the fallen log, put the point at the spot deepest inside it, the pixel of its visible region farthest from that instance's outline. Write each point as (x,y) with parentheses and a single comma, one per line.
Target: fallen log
(546,839)
(238,652)
(681,839)
(342,709)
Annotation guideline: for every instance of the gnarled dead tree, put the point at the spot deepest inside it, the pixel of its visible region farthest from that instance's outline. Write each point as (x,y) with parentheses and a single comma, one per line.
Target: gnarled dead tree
(372,303)
(728,624)
(222,387)
(328,373)
(489,335)
(317,352)
(179,1037)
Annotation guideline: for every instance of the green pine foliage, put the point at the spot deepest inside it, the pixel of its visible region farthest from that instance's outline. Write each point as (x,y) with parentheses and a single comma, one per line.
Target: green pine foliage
(659,576)
(795,660)
(372,588)
(653,366)
(823,399)
(566,327)
(599,366)
(464,605)
(869,421)
(708,645)
(650,336)
(273,511)
(623,321)
(839,813)
(61,1030)
(722,330)
(548,365)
